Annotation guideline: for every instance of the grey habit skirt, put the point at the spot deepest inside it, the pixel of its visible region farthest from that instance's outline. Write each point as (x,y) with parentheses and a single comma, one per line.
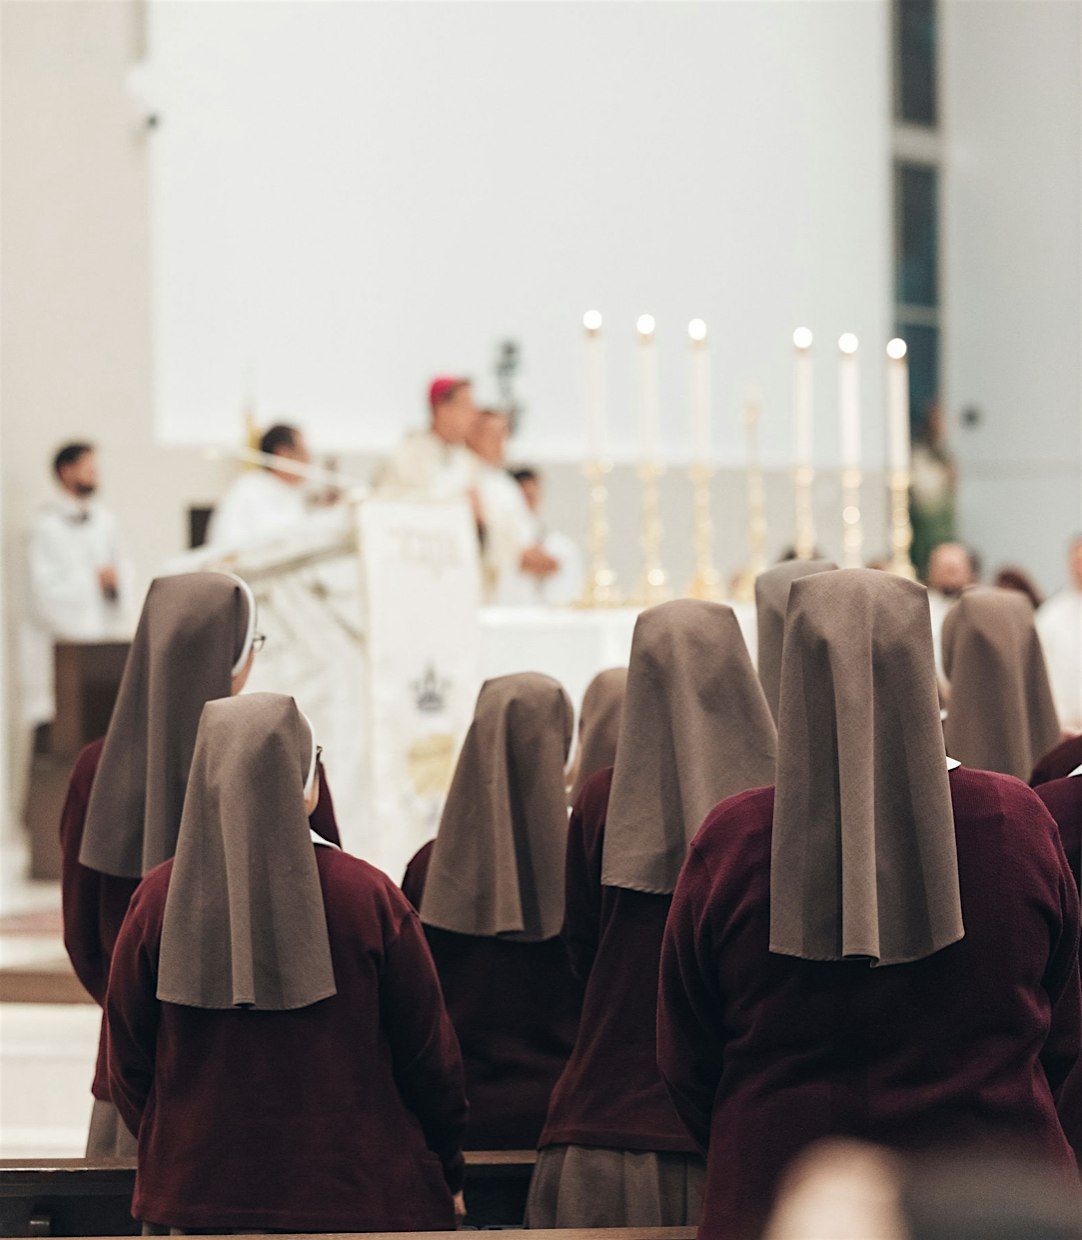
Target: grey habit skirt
(109,1136)
(584,1186)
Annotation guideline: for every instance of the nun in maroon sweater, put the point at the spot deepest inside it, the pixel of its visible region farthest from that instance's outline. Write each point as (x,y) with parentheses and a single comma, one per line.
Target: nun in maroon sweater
(277,1037)
(877,948)
(490,891)
(195,641)
(695,728)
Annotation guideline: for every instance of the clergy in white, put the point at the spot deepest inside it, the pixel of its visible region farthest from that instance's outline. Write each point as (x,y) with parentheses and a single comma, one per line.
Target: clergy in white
(436,463)
(264,504)
(78,581)
(564,586)
(1059,623)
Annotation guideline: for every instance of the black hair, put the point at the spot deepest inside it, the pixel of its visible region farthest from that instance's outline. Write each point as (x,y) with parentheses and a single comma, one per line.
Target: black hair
(279,436)
(525,474)
(69,454)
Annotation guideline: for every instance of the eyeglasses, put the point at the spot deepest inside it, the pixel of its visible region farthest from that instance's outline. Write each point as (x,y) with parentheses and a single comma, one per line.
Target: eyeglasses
(258,642)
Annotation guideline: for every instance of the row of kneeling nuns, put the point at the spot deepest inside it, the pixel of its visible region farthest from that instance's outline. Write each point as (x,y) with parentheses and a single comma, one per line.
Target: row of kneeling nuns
(777,912)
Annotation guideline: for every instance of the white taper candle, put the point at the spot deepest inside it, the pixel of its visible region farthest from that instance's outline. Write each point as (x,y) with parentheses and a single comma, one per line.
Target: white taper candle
(849,400)
(595,386)
(648,392)
(898,406)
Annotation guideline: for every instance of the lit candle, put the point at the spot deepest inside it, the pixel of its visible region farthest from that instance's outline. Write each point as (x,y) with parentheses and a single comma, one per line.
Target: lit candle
(802,396)
(595,385)
(700,391)
(898,406)
(849,400)
(648,396)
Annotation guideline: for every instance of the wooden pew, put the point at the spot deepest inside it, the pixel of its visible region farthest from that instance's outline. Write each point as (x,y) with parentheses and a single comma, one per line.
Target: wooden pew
(77,1197)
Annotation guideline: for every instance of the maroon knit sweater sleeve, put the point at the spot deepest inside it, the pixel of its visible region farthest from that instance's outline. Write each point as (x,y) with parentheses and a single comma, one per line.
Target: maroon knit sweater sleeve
(690,1045)
(427,1061)
(132,1008)
(1061,979)
(585,843)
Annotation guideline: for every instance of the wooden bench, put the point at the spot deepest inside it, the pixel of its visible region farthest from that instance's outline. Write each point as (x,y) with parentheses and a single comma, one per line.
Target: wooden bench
(76,1197)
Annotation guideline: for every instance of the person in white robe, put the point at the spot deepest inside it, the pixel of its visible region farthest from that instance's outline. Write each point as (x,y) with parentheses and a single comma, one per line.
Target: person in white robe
(435,463)
(513,561)
(950,571)
(264,504)
(79,586)
(565,585)
(1059,623)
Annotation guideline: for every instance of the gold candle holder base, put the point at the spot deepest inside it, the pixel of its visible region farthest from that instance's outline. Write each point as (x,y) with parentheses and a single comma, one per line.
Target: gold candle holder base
(706,582)
(852,529)
(654,586)
(901,531)
(600,589)
(804,540)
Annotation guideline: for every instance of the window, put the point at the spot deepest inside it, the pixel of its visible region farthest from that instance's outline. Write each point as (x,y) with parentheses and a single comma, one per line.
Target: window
(915,96)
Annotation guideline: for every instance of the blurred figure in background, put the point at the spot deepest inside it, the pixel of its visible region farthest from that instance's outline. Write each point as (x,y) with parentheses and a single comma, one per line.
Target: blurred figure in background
(1011,577)
(79,587)
(436,463)
(932,491)
(267,502)
(564,586)
(1059,623)
(951,569)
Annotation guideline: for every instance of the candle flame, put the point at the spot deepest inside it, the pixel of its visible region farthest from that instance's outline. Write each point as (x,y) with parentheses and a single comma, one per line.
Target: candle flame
(697,330)
(802,338)
(848,343)
(591,320)
(896,349)
(645,325)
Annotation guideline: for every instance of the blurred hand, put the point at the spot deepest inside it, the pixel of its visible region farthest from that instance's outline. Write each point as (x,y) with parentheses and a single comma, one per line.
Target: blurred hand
(107,579)
(460,1208)
(475,505)
(538,562)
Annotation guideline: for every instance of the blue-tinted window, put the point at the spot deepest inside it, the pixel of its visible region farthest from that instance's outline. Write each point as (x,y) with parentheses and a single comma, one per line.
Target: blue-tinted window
(923,355)
(915,99)
(916,193)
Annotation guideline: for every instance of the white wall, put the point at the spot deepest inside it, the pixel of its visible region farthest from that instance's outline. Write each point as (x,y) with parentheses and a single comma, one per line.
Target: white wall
(349,198)
(1013,266)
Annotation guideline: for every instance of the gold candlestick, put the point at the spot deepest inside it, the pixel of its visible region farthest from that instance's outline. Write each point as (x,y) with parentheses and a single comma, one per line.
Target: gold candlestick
(706,583)
(852,528)
(756,502)
(654,587)
(600,590)
(804,541)
(901,531)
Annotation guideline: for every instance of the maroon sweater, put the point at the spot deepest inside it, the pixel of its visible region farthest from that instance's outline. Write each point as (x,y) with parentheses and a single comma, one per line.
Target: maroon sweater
(764,1054)
(611,1093)
(515,1008)
(346,1115)
(1063,798)
(94,904)
(1058,762)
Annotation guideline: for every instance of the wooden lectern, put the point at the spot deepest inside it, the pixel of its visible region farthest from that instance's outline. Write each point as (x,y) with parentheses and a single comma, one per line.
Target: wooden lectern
(87,679)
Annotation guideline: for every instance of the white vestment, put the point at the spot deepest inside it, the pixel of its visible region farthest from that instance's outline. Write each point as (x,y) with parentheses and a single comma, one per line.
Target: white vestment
(1059,623)
(70,541)
(423,466)
(257,508)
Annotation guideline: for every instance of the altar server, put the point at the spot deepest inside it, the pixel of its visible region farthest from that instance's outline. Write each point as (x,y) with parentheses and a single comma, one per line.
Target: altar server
(435,463)
(599,725)
(771,600)
(196,640)
(818,977)
(78,577)
(696,728)
(1059,623)
(490,891)
(1001,715)
(563,588)
(267,503)
(277,1038)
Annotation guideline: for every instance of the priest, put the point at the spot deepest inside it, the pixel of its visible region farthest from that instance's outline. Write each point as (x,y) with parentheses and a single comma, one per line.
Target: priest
(1059,623)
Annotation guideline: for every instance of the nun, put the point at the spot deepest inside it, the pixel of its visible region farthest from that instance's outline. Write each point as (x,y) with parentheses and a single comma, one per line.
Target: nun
(277,1037)
(196,640)
(771,599)
(599,725)
(1001,715)
(1060,760)
(818,977)
(490,891)
(696,729)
